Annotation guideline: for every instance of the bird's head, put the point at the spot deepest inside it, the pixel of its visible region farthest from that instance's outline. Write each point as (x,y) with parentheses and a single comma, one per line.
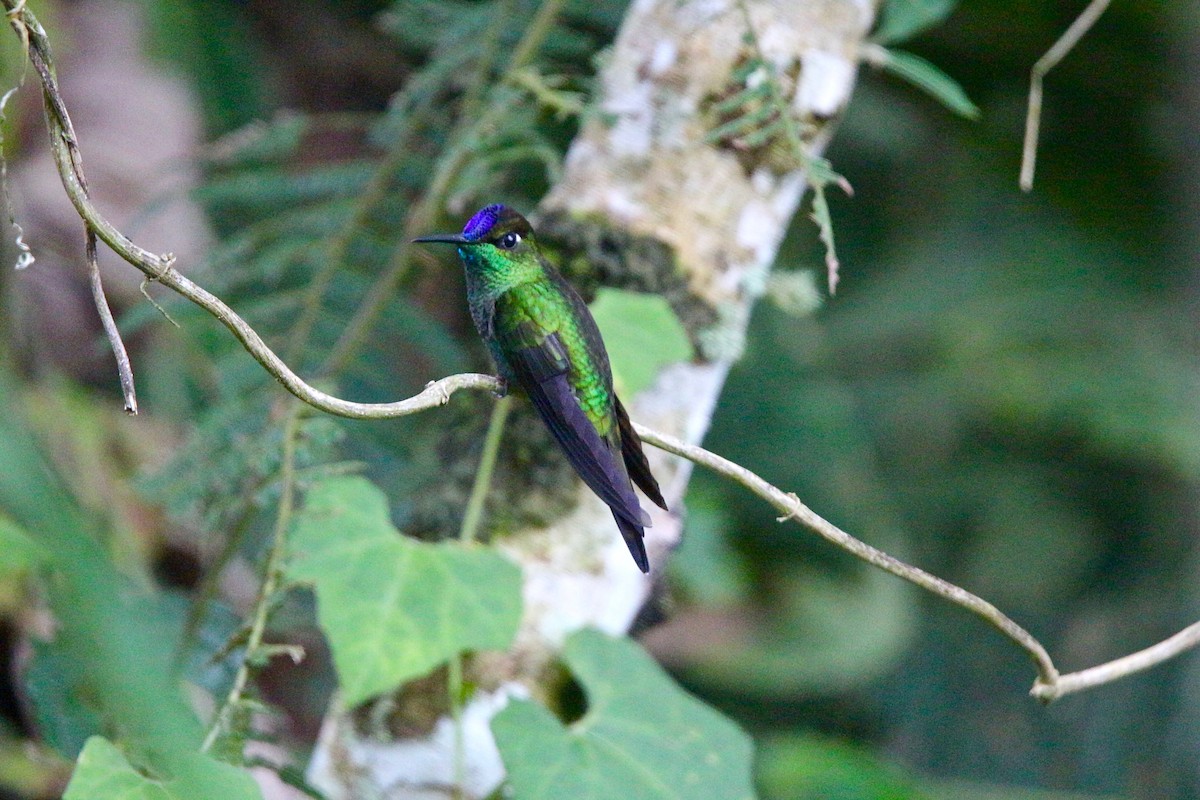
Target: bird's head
(495,235)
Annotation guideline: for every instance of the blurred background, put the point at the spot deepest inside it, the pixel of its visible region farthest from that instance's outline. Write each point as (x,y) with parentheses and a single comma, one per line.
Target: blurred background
(1003,391)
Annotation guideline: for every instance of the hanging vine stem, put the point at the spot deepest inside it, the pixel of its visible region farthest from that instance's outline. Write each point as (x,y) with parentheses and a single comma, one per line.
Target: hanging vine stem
(1033,118)
(1049,686)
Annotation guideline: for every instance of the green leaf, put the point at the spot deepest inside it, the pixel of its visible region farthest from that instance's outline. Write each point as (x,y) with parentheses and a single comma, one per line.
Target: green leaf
(903,19)
(931,80)
(810,766)
(103,773)
(642,737)
(18,551)
(642,335)
(824,221)
(394,608)
(66,717)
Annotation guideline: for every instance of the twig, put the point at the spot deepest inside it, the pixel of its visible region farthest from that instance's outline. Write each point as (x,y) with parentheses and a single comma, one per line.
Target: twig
(466,534)
(66,149)
(124,369)
(1047,62)
(1119,668)
(160,269)
(1049,685)
(487,465)
(272,574)
(24,253)
(792,508)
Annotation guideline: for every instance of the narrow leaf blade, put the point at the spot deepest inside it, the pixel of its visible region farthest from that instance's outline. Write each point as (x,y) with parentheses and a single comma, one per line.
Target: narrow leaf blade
(903,19)
(931,80)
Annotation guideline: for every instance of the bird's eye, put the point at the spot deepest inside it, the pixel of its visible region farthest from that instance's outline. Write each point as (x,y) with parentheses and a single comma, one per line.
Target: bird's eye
(509,240)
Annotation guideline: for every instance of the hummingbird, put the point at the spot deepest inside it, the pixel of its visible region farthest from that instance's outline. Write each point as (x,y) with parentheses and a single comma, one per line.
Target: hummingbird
(546,343)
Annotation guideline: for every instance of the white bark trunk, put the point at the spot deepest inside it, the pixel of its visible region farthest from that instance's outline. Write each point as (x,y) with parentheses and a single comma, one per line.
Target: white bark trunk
(640,171)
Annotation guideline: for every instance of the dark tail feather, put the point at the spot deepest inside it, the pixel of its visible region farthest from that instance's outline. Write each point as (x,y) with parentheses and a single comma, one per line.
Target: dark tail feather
(635,458)
(634,536)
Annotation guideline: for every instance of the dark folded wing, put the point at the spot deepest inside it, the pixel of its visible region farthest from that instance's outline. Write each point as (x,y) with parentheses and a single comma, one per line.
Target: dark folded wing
(634,538)
(635,458)
(540,363)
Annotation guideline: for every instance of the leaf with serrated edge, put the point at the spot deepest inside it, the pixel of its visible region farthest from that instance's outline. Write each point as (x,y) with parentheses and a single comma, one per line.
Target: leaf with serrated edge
(393,608)
(642,737)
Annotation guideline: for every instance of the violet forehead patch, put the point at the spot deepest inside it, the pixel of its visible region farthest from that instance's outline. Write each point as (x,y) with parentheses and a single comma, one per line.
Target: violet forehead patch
(478,226)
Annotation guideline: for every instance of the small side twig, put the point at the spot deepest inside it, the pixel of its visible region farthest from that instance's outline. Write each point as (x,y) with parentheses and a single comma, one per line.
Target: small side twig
(124,369)
(1118,668)
(1047,62)
(66,147)
(24,253)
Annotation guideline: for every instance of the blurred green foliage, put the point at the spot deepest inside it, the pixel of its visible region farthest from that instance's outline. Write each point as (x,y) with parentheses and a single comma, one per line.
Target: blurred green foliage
(1003,391)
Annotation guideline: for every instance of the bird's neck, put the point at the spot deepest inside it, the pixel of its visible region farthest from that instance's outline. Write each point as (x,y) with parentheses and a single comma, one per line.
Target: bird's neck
(488,278)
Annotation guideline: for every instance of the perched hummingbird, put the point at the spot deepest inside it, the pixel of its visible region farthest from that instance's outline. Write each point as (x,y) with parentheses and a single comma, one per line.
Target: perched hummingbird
(545,341)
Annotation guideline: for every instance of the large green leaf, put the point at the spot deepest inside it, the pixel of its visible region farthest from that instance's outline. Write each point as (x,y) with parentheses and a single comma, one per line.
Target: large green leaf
(394,608)
(642,737)
(642,335)
(18,551)
(103,773)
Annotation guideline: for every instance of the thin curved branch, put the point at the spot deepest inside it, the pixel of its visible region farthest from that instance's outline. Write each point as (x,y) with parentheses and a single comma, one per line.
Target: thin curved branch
(792,508)
(1033,117)
(1118,668)
(1049,686)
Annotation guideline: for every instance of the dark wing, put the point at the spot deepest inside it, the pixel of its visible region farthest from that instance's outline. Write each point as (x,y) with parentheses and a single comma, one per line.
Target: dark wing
(634,539)
(635,458)
(631,444)
(540,362)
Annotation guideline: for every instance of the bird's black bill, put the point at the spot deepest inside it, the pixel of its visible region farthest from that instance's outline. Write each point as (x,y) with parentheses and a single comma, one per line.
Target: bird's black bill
(445,238)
